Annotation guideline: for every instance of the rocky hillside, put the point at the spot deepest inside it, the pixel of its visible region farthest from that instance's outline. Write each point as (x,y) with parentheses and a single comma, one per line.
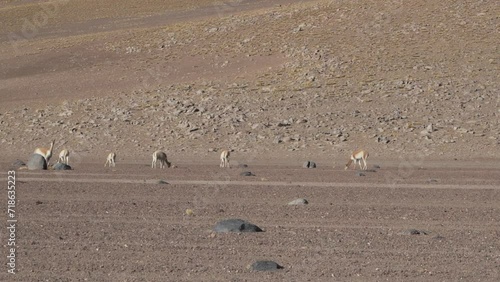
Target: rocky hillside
(311,79)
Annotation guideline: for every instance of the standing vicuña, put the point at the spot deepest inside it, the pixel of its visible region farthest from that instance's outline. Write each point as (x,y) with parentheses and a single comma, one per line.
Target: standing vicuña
(162,157)
(357,157)
(64,157)
(45,153)
(111,159)
(224,158)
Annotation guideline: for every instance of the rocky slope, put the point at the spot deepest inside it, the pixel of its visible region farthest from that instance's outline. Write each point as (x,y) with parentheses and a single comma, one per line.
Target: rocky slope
(309,79)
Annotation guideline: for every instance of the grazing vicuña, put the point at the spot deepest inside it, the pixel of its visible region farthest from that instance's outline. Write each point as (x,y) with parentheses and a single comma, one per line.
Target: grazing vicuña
(111,160)
(162,157)
(45,153)
(357,157)
(64,157)
(224,158)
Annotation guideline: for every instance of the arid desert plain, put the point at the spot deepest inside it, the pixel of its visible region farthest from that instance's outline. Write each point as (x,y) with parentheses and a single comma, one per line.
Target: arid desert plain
(277,83)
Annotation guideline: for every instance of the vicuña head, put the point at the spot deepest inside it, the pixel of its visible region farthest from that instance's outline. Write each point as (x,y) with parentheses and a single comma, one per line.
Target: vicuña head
(45,153)
(356,157)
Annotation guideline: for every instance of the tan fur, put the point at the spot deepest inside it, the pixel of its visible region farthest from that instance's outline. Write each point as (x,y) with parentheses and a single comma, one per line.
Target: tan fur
(64,156)
(45,153)
(111,160)
(224,158)
(357,157)
(162,157)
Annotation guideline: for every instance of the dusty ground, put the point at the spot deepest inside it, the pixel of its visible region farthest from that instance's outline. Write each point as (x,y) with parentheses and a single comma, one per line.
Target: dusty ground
(279,82)
(120,225)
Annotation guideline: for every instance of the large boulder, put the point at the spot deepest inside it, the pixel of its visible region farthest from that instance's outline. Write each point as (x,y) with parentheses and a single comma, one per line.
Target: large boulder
(235,225)
(265,265)
(37,162)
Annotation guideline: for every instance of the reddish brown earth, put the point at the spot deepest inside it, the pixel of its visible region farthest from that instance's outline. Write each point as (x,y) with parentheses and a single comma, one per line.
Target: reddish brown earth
(416,83)
(96,224)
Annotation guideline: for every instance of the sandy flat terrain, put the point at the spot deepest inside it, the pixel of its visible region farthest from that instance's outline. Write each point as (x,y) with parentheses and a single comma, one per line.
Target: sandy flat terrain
(121,225)
(279,83)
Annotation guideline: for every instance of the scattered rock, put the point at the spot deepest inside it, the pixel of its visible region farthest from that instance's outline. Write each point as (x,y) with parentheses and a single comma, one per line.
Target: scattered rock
(37,162)
(61,166)
(376,166)
(438,237)
(382,139)
(242,166)
(309,164)
(235,225)
(359,173)
(413,232)
(299,201)
(17,164)
(430,128)
(161,181)
(247,173)
(265,265)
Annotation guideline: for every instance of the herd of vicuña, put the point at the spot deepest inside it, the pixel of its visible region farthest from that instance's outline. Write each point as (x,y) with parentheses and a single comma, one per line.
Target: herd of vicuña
(357,157)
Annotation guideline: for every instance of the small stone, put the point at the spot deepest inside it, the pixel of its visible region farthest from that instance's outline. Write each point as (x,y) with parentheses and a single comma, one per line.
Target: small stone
(430,128)
(265,265)
(247,173)
(309,164)
(61,166)
(17,164)
(298,202)
(413,232)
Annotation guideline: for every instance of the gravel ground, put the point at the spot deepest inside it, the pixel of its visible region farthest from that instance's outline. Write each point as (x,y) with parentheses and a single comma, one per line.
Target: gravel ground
(279,83)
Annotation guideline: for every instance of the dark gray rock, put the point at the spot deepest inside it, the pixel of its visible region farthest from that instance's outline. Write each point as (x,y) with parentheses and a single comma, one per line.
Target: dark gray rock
(61,166)
(360,173)
(265,265)
(247,173)
(236,225)
(17,164)
(242,165)
(299,201)
(36,162)
(309,164)
(413,232)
